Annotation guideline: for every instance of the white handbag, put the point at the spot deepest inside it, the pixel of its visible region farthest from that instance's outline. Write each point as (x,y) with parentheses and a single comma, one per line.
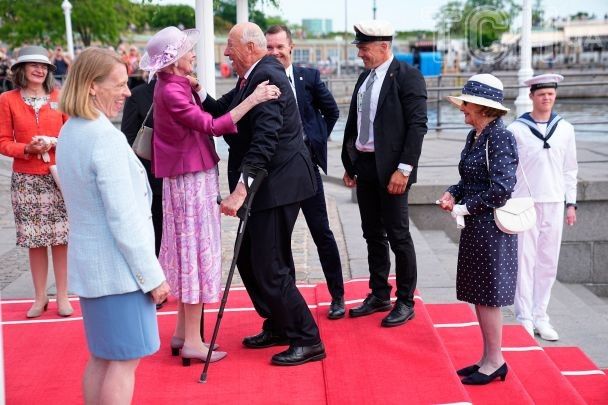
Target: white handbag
(142,146)
(518,214)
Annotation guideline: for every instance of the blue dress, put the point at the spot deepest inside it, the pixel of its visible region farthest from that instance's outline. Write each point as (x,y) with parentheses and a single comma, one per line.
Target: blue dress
(487,257)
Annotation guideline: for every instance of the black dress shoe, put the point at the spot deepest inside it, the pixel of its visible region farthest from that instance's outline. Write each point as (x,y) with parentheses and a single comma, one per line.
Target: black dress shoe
(399,315)
(467,371)
(265,339)
(370,305)
(336,309)
(478,378)
(296,355)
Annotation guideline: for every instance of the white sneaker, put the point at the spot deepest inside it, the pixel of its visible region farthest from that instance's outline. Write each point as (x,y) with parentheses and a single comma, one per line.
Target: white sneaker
(528,326)
(546,331)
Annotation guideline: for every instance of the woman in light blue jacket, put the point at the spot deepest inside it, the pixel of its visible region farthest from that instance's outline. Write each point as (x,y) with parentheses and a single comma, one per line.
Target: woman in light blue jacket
(111,259)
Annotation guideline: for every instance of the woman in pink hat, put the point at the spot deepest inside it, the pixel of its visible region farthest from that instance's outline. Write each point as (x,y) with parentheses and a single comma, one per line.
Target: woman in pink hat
(184,156)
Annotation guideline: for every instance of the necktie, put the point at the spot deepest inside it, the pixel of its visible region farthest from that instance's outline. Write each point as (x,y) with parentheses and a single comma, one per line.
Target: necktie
(243,83)
(365,109)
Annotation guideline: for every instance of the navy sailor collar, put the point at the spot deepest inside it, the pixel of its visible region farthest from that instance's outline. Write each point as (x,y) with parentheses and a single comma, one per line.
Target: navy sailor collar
(554,119)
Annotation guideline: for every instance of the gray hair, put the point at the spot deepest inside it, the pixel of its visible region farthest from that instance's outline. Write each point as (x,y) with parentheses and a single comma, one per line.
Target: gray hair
(254,34)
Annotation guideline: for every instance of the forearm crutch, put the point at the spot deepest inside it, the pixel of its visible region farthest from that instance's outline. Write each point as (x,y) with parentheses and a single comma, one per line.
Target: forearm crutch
(243,213)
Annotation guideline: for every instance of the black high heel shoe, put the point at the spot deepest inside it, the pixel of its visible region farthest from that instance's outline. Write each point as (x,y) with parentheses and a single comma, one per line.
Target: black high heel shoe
(467,371)
(478,378)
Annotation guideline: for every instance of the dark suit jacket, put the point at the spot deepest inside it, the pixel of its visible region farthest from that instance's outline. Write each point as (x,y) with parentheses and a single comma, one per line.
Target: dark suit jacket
(269,137)
(318,110)
(136,108)
(399,125)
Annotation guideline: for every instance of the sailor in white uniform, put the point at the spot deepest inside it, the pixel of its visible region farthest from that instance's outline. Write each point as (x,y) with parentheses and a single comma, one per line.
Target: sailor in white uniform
(547,155)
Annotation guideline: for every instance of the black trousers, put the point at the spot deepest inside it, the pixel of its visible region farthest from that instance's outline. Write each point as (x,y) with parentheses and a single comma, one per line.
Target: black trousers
(385,221)
(266,266)
(315,213)
(157,220)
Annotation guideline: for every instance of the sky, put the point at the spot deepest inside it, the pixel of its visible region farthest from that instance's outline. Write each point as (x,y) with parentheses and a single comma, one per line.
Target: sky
(405,15)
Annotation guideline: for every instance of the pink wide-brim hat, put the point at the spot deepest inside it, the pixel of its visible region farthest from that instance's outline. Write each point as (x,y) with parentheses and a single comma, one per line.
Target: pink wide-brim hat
(167,46)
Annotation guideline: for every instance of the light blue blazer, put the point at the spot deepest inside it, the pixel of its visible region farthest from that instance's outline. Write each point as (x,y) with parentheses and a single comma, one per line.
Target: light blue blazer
(108,200)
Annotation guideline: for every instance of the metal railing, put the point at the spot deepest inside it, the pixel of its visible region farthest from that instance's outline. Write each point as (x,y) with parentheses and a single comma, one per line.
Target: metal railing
(437,92)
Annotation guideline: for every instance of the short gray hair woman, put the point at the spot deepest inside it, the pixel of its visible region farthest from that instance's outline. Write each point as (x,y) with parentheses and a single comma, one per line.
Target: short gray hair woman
(487,257)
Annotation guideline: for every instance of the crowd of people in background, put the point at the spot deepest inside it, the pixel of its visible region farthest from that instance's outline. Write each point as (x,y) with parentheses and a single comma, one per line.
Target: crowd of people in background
(130,55)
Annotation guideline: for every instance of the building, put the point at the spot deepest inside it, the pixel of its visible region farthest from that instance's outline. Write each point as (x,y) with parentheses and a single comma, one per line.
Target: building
(316,27)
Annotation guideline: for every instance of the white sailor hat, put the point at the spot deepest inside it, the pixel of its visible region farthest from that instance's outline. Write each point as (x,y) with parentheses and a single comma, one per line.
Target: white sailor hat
(546,81)
(373,30)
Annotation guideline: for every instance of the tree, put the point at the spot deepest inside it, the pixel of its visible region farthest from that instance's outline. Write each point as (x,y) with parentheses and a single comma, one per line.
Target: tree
(458,18)
(102,20)
(163,16)
(538,14)
(42,21)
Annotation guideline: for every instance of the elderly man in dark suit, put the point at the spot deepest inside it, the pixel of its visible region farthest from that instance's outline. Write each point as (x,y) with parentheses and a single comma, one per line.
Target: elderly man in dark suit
(269,138)
(382,142)
(319,112)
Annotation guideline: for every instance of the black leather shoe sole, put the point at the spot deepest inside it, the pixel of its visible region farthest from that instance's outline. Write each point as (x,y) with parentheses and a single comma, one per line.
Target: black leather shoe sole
(388,324)
(316,357)
(354,314)
(264,345)
(336,315)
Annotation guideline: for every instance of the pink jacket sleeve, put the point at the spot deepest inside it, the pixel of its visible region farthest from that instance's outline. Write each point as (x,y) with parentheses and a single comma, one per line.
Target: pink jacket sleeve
(193,116)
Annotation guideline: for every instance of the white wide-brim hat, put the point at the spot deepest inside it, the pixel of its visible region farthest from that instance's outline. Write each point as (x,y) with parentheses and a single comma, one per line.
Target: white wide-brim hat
(33,54)
(482,89)
(167,46)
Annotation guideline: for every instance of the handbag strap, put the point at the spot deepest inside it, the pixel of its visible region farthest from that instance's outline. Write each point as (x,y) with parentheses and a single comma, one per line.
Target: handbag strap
(518,167)
(143,124)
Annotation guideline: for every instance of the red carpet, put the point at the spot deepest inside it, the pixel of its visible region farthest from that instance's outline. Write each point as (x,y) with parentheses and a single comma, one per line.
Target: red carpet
(459,331)
(413,364)
(581,372)
(532,374)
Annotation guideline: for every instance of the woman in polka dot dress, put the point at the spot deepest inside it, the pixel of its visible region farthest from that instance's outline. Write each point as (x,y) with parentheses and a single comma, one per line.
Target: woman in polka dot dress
(487,257)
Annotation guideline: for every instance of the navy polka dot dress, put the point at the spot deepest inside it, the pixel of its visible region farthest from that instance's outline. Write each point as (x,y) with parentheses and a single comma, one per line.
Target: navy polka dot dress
(487,257)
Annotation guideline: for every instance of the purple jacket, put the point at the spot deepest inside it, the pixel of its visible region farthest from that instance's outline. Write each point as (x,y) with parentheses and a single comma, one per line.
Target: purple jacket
(182,140)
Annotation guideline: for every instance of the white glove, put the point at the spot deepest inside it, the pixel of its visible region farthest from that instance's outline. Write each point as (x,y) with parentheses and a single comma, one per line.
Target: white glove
(458,213)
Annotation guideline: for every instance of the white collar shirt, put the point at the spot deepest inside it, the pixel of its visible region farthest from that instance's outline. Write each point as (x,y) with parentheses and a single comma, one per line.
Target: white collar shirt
(376,87)
(292,80)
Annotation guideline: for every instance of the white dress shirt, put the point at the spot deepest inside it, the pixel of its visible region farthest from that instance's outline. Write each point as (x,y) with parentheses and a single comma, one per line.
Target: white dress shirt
(376,87)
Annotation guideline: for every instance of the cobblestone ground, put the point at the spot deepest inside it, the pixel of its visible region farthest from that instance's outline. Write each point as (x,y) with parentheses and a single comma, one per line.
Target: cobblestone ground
(14,260)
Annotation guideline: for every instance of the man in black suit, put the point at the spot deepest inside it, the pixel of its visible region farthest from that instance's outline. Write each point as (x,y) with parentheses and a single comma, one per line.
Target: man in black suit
(269,138)
(382,142)
(319,112)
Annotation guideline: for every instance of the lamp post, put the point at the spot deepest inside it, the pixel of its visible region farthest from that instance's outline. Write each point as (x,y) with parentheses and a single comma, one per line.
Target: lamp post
(523,103)
(67,10)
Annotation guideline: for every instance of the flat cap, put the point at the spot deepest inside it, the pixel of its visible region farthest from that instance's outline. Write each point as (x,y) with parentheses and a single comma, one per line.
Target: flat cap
(373,30)
(546,81)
